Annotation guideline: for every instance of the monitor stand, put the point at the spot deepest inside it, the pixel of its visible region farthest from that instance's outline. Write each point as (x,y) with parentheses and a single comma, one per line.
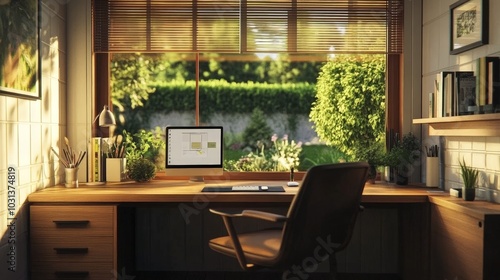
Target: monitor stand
(196,179)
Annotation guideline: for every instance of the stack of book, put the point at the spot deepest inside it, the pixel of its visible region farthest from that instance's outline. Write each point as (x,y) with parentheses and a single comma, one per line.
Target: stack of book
(459,93)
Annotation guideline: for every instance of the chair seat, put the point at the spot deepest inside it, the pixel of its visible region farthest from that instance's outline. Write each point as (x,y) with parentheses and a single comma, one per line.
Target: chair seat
(260,248)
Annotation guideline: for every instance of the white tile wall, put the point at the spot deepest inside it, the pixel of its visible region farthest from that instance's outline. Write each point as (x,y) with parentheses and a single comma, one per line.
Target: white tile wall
(480,152)
(27,130)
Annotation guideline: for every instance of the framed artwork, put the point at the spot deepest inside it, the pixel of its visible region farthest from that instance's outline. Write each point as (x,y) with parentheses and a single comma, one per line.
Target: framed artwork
(20,48)
(468,25)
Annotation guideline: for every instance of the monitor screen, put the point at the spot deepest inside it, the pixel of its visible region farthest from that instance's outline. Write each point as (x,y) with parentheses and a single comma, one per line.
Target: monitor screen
(194,151)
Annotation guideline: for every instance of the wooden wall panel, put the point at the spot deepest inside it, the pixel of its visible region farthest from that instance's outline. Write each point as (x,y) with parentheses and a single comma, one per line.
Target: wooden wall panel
(166,241)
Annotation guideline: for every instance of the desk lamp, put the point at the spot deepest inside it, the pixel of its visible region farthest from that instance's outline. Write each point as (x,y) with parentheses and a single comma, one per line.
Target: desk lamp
(106,117)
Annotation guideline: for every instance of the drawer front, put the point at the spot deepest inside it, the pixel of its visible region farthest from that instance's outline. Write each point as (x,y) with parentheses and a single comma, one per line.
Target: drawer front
(76,221)
(68,270)
(83,249)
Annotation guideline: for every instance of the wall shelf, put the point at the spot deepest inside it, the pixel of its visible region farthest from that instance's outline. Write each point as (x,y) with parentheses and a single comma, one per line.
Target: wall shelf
(470,125)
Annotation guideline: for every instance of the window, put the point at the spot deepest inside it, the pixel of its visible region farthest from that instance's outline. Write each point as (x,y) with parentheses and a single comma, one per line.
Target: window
(244,28)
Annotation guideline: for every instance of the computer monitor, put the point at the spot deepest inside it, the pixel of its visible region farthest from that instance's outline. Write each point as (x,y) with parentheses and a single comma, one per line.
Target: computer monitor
(194,151)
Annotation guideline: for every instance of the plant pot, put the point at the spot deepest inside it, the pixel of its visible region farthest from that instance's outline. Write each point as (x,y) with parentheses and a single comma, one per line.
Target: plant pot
(115,169)
(469,194)
(401,179)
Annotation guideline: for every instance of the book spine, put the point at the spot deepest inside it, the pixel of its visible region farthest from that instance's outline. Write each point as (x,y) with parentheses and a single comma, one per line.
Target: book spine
(439,95)
(96,155)
(481,81)
(431,105)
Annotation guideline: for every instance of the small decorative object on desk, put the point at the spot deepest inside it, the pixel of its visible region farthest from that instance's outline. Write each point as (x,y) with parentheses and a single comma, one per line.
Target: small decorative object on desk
(432,166)
(115,161)
(469,176)
(71,162)
(141,170)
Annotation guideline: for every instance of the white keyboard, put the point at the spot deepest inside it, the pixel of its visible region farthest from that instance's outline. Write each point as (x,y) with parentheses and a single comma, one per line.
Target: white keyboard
(248,188)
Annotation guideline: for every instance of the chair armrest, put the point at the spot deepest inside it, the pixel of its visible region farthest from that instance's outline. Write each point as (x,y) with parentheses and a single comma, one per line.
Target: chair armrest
(225,214)
(264,216)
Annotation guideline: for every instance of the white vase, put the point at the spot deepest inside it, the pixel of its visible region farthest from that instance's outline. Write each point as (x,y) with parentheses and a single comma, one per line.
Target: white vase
(115,169)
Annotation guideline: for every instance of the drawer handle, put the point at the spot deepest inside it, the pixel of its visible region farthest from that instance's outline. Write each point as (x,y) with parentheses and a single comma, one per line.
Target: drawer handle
(71,250)
(69,224)
(72,274)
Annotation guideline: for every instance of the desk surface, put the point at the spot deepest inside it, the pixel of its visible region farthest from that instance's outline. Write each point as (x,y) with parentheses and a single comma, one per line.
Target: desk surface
(182,191)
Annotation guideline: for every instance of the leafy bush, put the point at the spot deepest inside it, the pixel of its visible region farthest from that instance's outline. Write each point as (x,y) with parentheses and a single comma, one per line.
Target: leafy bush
(282,156)
(215,97)
(319,154)
(257,133)
(146,144)
(349,110)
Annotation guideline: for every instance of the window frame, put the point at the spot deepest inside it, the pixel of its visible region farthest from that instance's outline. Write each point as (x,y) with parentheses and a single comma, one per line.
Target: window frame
(394,84)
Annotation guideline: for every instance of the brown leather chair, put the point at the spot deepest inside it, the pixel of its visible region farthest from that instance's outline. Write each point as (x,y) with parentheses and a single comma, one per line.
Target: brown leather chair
(318,224)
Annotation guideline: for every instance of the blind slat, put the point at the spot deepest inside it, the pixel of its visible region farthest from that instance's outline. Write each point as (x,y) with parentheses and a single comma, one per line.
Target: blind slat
(301,26)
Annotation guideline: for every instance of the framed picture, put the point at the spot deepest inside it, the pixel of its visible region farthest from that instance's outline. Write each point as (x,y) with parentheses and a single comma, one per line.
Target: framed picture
(468,25)
(19,48)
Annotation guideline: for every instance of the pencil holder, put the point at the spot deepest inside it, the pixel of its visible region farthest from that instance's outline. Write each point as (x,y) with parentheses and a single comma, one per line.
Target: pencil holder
(71,177)
(432,172)
(115,169)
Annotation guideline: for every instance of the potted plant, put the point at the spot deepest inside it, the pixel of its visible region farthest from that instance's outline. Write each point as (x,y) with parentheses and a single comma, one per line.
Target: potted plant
(374,155)
(403,156)
(141,170)
(469,177)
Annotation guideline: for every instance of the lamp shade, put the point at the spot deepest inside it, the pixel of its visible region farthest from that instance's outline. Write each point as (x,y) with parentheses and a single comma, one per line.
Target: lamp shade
(106,117)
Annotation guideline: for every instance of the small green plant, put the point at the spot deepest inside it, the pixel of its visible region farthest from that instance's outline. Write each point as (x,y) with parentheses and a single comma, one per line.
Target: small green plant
(404,152)
(141,170)
(284,153)
(146,144)
(469,175)
(374,155)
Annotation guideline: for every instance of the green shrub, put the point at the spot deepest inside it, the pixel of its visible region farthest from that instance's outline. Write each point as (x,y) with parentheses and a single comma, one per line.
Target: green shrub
(146,144)
(319,154)
(258,133)
(349,110)
(282,156)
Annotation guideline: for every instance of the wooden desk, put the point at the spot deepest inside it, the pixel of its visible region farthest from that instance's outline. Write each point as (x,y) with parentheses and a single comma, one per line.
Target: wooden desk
(182,191)
(89,217)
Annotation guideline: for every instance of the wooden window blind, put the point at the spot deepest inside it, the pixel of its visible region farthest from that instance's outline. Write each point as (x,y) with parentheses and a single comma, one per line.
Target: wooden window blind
(248,26)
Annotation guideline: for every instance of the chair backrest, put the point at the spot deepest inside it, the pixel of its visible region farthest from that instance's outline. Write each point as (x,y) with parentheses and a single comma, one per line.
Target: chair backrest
(324,210)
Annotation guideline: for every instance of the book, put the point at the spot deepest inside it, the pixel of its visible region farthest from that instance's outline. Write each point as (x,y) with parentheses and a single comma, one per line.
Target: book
(467,95)
(438,95)
(431,105)
(445,93)
(95,160)
(492,84)
(462,92)
(481,81)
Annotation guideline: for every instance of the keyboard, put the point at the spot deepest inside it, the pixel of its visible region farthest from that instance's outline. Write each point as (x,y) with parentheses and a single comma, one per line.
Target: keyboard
(243,189)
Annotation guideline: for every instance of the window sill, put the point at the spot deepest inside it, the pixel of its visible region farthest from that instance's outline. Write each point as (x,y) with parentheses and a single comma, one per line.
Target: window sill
(234,175)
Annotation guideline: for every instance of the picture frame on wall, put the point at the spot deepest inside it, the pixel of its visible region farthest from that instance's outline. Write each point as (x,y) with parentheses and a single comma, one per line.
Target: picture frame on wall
(468,25)
(20,62)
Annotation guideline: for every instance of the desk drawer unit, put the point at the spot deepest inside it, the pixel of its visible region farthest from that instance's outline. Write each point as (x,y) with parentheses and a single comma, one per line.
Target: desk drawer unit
(77,242)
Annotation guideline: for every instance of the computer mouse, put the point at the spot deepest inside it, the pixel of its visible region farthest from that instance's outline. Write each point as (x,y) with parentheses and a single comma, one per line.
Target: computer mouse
(292,184)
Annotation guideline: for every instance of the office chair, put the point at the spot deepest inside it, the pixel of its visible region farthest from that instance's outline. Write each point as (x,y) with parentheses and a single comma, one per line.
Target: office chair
(318,224)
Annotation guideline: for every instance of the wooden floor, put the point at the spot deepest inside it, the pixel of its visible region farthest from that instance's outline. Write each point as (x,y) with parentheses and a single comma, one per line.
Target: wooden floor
(251,276)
